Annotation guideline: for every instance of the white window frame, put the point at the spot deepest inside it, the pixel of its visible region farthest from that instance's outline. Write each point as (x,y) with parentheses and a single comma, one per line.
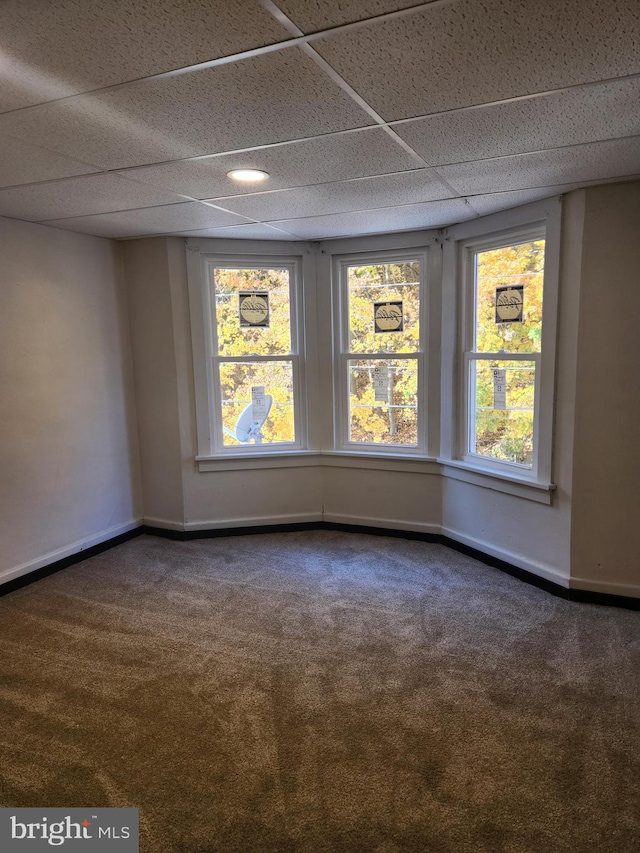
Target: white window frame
(200,265)
(540,472)
(342,355)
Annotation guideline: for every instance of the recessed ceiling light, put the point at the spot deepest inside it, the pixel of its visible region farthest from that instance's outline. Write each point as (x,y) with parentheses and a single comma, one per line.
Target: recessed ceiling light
(248,175)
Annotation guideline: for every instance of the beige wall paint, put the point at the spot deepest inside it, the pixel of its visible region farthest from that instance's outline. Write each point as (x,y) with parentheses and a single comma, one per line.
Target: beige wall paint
(68,449)
(605,541)
(396,499)
(156,382)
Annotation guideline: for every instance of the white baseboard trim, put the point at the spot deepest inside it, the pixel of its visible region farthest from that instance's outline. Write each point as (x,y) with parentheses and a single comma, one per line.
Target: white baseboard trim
(68,551)
(628,590)
(539,569)
(382,523)
(259,521)
(163,523)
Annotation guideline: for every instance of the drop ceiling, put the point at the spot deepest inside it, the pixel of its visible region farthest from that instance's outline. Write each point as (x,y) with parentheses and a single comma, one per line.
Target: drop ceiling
(121,118)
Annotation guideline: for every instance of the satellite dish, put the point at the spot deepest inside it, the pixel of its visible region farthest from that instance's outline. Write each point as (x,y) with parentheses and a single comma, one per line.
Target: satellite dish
(247,428)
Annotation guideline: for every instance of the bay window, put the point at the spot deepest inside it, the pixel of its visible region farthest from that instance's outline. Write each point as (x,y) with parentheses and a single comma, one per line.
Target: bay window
(380,358)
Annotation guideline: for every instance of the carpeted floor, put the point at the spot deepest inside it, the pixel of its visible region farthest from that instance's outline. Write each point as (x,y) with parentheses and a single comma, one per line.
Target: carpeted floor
(322,691)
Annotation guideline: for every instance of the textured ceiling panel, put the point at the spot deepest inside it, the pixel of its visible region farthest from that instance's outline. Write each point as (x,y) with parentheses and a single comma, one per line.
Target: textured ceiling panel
(313,15)
(22,163)
(243,232)
(560,166)
(329,158)
(153,220)
(271,98)
(473,52)
(433,214)
(55,49)
(386,191)
(593,113)
(495,202)
(79,197)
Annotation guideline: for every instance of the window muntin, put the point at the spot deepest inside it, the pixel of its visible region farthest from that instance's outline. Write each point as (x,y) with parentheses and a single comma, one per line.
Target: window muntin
(502,364)
(254,339)
(381,360)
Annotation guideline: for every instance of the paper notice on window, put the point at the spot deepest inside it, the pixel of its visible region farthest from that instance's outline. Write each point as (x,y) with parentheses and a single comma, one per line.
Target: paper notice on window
(500,388)
(388,316)
(253,308)
(258,403)
(381,383)
(510,304)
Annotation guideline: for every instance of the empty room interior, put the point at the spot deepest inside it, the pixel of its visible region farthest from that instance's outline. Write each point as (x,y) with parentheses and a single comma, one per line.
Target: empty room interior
(319,422)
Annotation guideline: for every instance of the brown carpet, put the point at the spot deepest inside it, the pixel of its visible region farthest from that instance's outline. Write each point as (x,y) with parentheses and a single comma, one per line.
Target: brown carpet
(322,691)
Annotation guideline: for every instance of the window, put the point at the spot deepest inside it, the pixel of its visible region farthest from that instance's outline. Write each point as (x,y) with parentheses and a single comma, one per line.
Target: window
(253,343)
(380,370)
(504,348)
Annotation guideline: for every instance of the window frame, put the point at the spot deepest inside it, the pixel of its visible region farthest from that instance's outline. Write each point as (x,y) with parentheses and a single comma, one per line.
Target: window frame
(342,355)
(208,395)
(539,473)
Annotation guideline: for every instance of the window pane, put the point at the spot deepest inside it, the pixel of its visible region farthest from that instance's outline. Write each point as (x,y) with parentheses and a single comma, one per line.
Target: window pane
(509,298)
(503,392)
(262,327)
(383,401)
(237,380)
(384,307)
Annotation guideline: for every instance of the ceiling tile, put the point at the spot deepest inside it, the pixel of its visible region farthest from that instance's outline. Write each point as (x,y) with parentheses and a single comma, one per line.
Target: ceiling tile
(559,166)
(23,163)
(79,197)
(55,49)
(494,202)
(361,194)
(244,232)
(154,220)
(433,214)
(272,98)
(582,115)
(334,157)
(321,14)
(473,52)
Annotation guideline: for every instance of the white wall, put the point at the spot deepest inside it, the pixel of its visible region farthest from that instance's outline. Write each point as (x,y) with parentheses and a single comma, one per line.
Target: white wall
(69,473)
(156,383)
(605,541)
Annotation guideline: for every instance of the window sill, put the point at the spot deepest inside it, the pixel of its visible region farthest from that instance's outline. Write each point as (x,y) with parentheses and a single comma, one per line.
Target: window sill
(312,458)
(487,478)
(256,461)
(368,460)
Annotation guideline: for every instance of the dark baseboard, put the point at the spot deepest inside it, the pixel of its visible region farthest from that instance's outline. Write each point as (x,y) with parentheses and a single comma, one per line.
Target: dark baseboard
(507,568)
(380,531)
(65,562)
(587,596)
(215,532)
(576,595)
